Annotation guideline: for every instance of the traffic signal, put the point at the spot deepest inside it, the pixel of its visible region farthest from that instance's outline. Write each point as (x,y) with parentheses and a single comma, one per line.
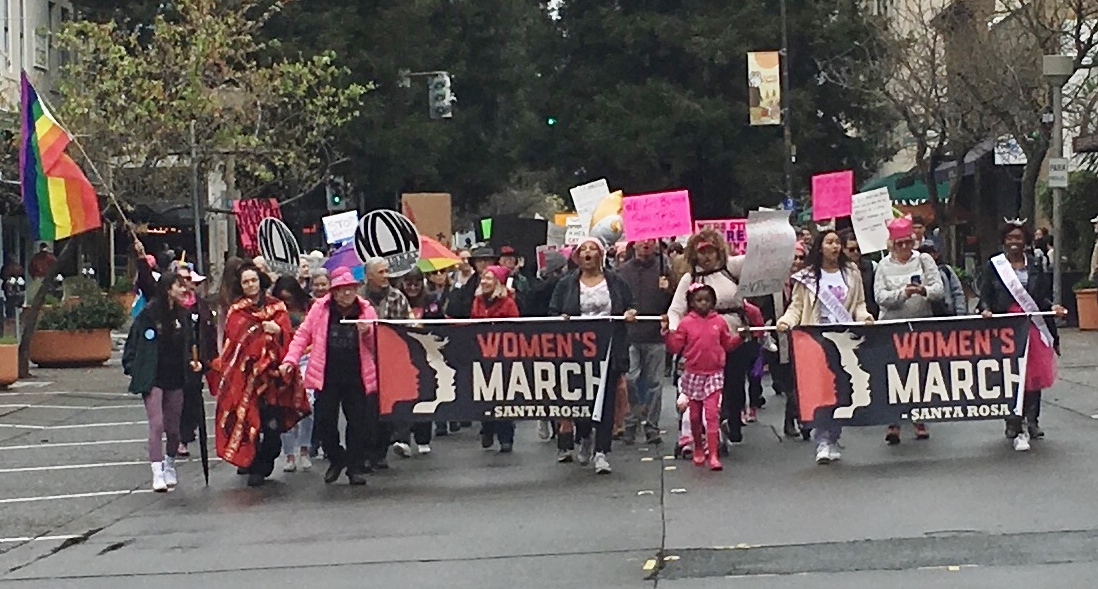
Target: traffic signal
(440,98)
(551,121)
(336,194)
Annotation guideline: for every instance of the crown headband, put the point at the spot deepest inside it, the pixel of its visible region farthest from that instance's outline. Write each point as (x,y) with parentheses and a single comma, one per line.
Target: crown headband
(1015,221)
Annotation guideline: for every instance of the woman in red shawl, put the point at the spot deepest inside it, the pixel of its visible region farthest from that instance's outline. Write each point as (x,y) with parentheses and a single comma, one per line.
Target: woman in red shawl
(255,403)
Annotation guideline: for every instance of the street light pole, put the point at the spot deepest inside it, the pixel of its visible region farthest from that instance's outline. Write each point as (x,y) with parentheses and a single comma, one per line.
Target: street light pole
(1057,69)
(787,133)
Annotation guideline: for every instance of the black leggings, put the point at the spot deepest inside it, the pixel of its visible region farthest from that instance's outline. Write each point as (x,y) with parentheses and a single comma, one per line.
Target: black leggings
(604,430)
(736,367)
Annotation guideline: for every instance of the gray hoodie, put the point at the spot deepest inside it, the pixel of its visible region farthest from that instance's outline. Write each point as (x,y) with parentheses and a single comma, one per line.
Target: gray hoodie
(891,278)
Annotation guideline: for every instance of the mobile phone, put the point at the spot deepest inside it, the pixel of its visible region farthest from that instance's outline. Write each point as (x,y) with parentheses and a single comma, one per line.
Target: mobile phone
(917,279)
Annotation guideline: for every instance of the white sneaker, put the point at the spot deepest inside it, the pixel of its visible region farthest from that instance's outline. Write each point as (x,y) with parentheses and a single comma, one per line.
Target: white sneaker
(170,477)
(291,464)
(544,430)
(402,449)
(823,453)
(833,453)
(602,465)
(586,445)
(306,464)
(1021,443)
(424,449)
(158,477)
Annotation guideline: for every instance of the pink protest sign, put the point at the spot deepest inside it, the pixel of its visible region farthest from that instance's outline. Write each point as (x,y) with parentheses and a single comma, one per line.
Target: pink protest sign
(831,194)
(652,216)
(734,231)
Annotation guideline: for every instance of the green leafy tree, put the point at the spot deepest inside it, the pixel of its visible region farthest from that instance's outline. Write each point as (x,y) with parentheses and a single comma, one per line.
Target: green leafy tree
(132,90)
(653,95)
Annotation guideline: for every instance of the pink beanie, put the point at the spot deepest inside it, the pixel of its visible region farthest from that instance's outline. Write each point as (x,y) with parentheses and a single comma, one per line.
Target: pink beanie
(592,240)
(499,272)
(900,228)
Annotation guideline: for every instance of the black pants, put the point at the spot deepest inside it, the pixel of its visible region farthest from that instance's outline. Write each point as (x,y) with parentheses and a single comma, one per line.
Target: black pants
(379,434)
(191,415)
(326,421)
(736,367)
(270,443)
(784,383)
(604,430)
(420,431)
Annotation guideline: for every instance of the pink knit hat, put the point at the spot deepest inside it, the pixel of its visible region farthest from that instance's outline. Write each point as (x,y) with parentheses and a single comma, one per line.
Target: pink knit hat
(900,229)
(499,272)
(592,240)
(342,276)
(798,247)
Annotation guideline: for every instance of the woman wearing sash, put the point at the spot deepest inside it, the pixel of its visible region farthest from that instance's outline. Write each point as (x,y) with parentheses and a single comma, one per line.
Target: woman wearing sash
(828,290)
(1019,283)
(709,263)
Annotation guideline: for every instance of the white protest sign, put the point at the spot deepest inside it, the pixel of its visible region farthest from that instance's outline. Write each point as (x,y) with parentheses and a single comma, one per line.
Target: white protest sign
(869,214)
(340,229)
(574,232)
(586,197)
(770,243)
(278,246)
(555,234)
(389,235)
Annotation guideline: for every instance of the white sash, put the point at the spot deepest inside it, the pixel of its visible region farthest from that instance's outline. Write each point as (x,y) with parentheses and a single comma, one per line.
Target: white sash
(1021,295)
(835,308)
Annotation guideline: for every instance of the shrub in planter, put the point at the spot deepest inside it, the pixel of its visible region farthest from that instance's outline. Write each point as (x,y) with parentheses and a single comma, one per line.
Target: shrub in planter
(77,332)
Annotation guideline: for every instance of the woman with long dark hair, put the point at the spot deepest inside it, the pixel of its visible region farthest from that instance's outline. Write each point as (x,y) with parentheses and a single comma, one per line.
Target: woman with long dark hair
(828,290)
(595,291)
(255,402)
(1017,282)
(158,359)
(298,438)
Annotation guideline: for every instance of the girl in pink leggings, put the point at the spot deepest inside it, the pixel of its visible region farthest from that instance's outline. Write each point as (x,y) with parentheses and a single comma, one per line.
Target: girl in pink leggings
(703,338)
(160,354)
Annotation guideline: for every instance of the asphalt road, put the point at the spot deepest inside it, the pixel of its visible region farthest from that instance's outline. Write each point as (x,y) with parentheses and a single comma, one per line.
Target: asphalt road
(959,510)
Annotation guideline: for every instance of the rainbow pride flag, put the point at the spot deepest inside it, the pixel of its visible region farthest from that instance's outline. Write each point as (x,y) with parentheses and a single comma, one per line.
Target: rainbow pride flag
(59,199)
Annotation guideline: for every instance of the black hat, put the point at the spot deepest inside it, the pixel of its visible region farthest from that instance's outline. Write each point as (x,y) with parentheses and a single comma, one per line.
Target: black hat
(483,253)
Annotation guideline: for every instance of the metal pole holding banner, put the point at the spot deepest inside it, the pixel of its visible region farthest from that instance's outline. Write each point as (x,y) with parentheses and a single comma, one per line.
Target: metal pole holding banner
(196,203)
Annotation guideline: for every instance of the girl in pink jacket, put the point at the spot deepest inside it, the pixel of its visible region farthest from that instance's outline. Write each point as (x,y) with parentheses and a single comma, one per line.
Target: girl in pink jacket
(703,338)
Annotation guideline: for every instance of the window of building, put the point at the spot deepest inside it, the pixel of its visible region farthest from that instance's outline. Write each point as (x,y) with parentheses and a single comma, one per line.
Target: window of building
(5,35)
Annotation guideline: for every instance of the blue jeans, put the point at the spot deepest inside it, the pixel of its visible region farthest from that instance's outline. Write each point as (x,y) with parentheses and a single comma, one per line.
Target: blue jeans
(300,437)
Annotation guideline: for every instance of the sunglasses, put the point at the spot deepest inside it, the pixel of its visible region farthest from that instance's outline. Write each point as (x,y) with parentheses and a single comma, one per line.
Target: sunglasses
(798,258)
(905,243)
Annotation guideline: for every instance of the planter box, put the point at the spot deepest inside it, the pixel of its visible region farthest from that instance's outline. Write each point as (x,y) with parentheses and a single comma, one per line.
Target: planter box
(65,349)
(9,364)
(1086,304)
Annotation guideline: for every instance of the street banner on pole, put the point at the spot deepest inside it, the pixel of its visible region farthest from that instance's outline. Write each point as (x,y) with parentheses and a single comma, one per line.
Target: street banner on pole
(764,88)
(485,371)
(958,370)
(770,244)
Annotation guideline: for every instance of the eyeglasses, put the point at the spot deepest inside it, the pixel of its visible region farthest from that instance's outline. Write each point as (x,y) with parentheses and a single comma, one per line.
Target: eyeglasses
(798,258)
(905,243)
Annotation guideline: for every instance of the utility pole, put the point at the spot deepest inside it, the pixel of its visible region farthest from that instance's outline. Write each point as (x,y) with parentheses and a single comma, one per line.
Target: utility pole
(1057,69)
(787,132)
(196,203)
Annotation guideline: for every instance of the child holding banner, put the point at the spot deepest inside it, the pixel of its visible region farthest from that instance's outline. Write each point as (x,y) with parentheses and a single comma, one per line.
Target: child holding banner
(703,338)
(828,290)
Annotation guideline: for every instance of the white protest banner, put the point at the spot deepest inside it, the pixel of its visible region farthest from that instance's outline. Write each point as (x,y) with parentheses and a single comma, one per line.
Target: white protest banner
(770,242)
(586,197)
(734,231)
(574,232)
(339,229)
(869,213)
